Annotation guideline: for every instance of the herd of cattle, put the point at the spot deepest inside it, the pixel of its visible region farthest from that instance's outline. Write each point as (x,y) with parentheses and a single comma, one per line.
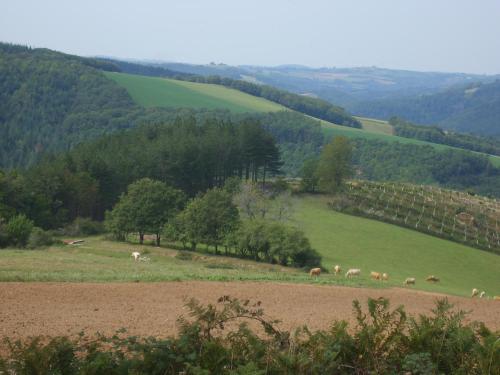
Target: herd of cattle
(384,277)
(351,272)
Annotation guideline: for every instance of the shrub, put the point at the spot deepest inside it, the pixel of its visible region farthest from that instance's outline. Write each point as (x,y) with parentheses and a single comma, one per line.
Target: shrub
(275,242)
(18,230)
(39,238)
(83,226)
(210,341)
(4,238)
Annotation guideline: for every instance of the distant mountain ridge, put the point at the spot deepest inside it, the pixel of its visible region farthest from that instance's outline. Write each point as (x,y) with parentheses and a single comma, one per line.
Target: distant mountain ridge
(426,98)
(473,108)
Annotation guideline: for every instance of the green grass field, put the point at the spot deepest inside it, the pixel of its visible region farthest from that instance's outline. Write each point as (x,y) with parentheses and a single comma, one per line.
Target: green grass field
(163,92)
(370,245)
(341,239)
(375,126)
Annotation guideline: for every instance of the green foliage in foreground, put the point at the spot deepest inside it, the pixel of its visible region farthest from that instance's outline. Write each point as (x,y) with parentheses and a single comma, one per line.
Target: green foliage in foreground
(383,341)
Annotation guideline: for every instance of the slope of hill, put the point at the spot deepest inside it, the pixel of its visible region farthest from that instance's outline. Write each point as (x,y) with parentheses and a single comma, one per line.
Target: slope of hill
(370,245)
(454,215)
(307,104)
(347,240)
(50,101)
(446,99)
(164,92)
(474,108)
(344,86)
(378,130)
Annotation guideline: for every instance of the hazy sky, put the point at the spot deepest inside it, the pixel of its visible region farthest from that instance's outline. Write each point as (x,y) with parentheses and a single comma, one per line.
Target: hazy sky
(437,35)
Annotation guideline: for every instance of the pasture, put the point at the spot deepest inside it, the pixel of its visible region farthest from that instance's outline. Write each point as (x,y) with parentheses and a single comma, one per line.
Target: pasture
(164,92)
(352,242)
(355,242)
(375,126)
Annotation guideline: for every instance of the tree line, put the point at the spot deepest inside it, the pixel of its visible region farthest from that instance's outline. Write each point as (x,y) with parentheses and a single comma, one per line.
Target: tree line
(189,154)
(435,134)
(305,104)
(213,218)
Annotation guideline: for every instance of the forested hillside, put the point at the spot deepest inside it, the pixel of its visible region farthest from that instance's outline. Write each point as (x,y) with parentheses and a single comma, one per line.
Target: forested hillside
(189,153)
(50,101)
(473,108)
(305,104)
(435,134)
(445,99)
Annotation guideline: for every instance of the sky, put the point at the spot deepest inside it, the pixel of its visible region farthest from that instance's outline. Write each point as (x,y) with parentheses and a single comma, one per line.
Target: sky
(423,35)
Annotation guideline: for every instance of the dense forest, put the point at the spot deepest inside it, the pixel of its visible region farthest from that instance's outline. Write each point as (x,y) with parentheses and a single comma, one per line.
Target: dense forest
(305,104)
(383,161)
(472,108)
(187,155)
(51,102)
(434,134)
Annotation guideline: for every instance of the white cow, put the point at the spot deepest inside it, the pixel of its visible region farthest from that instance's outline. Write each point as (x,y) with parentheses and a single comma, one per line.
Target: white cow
(409,280)
(136,255)
(353,272)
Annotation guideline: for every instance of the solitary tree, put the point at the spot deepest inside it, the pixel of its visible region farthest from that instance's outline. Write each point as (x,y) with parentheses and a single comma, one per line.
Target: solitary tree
(146,207)
(309,176)
(209,218)
(334,165)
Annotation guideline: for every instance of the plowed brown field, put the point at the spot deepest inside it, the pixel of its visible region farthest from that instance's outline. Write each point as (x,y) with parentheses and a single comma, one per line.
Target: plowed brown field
(28,309)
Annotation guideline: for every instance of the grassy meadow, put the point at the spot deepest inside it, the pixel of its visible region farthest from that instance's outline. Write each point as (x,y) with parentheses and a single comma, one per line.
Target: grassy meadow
(375,126)
(341,239)
(355,242)
(163,92)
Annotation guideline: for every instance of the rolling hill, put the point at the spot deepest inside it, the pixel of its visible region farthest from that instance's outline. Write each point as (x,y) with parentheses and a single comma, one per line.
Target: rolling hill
(462,102)
(380,130)
(472,108)
(164,92)
(355,242)
(347,240)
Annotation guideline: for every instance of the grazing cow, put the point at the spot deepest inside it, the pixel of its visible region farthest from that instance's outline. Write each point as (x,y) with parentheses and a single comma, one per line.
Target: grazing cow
(375,275)
(482,294)
(410,280)
(337,269)
(475,292)
(315,272)
(353,272)
(385,276)
(136,255)
(432,278)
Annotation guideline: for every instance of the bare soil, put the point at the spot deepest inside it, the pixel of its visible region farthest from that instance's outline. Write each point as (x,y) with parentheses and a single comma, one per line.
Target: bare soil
(50,309)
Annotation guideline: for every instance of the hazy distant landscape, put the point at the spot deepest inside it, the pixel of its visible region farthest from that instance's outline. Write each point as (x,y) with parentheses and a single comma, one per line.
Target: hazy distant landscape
(249,190)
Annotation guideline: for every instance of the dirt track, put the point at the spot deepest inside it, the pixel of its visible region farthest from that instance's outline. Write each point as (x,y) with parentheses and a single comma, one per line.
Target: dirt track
(28,309)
